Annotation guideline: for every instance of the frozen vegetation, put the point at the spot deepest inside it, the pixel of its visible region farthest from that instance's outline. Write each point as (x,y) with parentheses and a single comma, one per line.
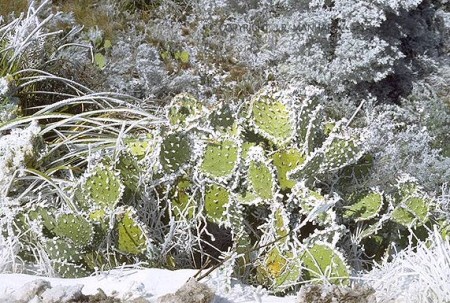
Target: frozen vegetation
(301,148)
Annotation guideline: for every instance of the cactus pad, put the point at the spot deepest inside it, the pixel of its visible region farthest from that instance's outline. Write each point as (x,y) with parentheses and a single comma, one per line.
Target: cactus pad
(411,204)
(101,189)
(308,124)
(279,270)
(129,170)
(139,146)
(309,168)
(261,180)
(271,119)
(281,222)
(412,211)
(321,261)
(44,214)
(132,235)
(285,161)
(184,109)
(339,153)
(220,158)
(61,250)
(69,270)
(182,205)
(222,118)
(217,199)
(74,227)
(248,198)
(364,206)
(175,151)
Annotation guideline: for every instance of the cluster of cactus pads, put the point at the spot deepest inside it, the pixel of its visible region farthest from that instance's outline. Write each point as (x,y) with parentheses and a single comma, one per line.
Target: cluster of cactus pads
(274,172)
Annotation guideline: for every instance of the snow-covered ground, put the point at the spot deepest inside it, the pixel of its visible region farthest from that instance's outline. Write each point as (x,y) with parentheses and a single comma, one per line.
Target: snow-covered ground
(150,284)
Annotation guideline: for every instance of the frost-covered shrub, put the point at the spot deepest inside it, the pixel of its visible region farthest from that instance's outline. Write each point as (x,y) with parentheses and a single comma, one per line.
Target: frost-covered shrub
(18,150)
(414,275)
(344,46)
(415,139)
(136,68)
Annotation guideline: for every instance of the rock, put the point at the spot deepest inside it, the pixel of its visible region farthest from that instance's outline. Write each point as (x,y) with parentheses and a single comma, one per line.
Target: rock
(62,294)
(30,290)
(191,292)
(335,294)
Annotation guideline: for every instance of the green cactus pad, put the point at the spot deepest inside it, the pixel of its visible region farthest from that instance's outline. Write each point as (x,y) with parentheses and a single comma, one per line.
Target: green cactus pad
(308,199)
(411,205)
(101,189)
(261,180)
(271,119)
(220,158)
(279,270)
(69,270)
(175,151)
(61,250)
(217,199)
(100,222)
(46,215)
(74,227)
(412,211)
(364,206)
(246,146)
(356,172)
(248,198)
(339,153)
(321,261)
(182,205)
(243,244)
(129,171)
(285,161)
(184,109)
(281,222)
(140,146)
(308,169)
(308,124)
(132,237)
(222,119)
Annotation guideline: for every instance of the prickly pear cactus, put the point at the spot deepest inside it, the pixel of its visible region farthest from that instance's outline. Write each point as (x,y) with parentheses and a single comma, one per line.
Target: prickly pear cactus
(100,188)
(308,124)
(411,205)
(175,151)
(260,175)
(274,172)
(140,146)
(75,228)
(279,270)
(184,110)
(220,158)
(223,119)
(323,262)
(182,204)
(363,206)
(271,117)
(217,199)
(130,171)
(286,160)
(337,151)
(132,234)
(69,270)
(61,250)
